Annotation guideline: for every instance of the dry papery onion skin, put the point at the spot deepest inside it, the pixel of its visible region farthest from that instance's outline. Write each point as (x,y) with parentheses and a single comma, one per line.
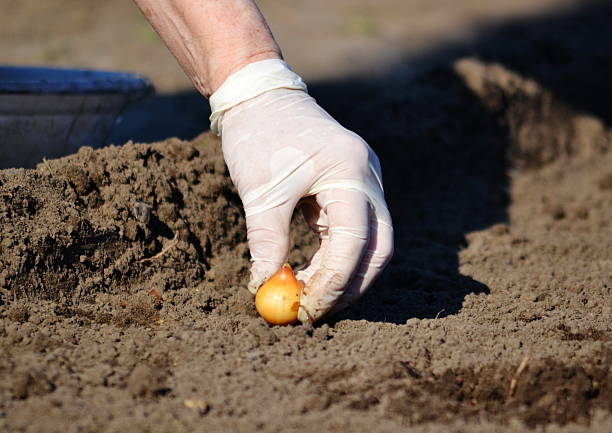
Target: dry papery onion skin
(278,299)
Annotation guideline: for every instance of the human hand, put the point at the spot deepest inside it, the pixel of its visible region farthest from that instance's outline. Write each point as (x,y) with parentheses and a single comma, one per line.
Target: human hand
(281,147)
(283,150)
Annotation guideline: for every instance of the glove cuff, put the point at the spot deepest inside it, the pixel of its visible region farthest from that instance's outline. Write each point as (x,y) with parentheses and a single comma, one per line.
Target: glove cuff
(249,82)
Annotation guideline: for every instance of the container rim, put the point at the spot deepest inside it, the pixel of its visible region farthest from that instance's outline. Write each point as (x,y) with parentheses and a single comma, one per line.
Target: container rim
(35,79)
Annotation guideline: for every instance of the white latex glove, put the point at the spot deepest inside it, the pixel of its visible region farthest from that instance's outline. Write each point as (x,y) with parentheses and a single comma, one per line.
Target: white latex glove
(283,149)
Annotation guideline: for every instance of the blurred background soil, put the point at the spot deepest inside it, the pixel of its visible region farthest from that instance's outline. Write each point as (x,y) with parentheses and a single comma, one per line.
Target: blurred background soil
(122,270)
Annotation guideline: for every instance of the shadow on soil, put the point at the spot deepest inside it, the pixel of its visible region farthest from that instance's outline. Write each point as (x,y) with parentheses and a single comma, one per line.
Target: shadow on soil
(444,155)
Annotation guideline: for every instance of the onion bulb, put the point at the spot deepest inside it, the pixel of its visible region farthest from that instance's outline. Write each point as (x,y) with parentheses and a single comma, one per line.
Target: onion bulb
(278,299)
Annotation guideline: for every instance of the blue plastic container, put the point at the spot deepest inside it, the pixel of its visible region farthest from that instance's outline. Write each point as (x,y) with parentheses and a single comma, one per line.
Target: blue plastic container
(52,112)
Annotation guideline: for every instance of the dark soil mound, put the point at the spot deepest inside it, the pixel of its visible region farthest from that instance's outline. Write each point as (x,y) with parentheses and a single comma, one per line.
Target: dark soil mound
(119,220)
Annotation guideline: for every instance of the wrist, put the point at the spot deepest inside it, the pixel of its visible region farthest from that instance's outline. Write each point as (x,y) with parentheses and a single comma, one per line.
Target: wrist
(249,82)
(226,65)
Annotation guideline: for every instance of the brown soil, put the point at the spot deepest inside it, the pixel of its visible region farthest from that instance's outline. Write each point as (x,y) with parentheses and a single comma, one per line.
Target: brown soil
(124,308)
(123,304)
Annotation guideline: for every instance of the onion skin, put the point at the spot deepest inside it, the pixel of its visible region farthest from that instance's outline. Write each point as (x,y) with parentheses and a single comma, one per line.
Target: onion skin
(278,299)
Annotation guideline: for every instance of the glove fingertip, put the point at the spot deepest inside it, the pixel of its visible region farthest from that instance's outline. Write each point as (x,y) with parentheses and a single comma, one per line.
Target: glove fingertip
(257,280)
(253,287)
(304,316)
(260,273)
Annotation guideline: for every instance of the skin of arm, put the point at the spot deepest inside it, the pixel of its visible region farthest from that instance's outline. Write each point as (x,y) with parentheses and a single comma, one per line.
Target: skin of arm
(211,39)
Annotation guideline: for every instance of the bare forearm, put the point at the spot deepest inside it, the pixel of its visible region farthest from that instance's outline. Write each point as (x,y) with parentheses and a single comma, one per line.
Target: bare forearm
(211,39)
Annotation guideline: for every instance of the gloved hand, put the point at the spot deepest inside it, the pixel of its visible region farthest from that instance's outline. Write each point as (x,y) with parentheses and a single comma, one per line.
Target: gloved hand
(282,150)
